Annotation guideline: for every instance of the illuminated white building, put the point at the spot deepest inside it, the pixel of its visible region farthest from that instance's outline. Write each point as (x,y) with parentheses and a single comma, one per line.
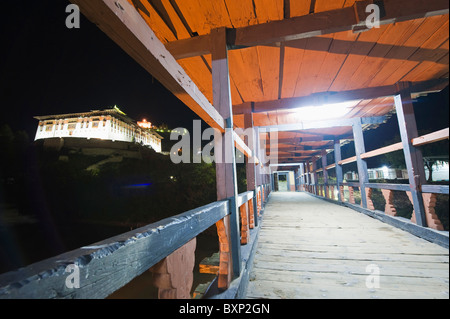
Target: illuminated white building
(110,124)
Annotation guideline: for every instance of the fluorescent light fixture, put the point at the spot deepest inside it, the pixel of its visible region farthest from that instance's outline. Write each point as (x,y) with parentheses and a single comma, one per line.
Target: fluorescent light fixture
(324,112)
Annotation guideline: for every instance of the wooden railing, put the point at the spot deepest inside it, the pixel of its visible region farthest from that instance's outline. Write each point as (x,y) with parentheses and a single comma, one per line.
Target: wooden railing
(166,248)
(428,192)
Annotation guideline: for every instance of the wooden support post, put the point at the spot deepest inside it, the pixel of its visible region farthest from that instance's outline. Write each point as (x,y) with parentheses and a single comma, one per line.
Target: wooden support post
(351,197)
(315,183)
(245,232)
(339,174)
(308,179)
(362,164)
(325,172)
(173,276)
(341,193)
(413,155)
(251,214)
(226,179)
(429,201)
(251,166)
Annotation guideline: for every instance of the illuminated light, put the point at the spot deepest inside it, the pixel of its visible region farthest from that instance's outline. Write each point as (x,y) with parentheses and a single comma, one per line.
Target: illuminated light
(324,112)
(119,110)
(144,124)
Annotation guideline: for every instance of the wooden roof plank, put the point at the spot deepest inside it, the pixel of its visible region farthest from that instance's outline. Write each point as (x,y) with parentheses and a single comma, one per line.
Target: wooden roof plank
(241,13)
(363,45)
(376,58)
(245,71)
(293,59)
(395,69)
(333,62)
(315,53)
(269,10)
(269,70)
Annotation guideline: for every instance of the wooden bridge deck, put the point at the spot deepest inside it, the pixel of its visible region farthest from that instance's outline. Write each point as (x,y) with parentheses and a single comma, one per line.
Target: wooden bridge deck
(310,248)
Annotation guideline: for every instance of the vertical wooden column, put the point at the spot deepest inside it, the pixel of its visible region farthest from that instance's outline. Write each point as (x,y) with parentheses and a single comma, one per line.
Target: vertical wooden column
(302,183)
(226,179)
(339,174)
(413,156)
(251,165)
(307,177)
(325,172)
(314,176)
(362,164)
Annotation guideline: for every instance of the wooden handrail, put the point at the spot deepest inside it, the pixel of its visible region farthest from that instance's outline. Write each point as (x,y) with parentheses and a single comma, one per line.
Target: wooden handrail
(431,138)
(110,264)
(418,141)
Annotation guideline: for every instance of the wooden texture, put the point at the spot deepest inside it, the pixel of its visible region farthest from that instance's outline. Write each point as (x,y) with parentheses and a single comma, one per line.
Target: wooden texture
(363,176)
(310,248)
(110,264)
(226,179)
(413,156)
(174,274)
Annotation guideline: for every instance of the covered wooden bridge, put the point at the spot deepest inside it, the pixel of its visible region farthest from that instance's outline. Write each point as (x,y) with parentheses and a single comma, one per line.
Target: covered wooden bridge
(302,77)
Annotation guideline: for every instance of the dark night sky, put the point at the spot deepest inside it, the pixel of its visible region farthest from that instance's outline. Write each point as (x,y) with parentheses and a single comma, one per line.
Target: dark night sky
(49,69)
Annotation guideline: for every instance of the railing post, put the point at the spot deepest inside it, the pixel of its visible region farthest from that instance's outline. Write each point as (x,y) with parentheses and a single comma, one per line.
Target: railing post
(325,172)
(226,179)
(389,208)
(251,165)
(308,179)
(413,155)
(362,164)
(173,276)
(245,232)
(339,175)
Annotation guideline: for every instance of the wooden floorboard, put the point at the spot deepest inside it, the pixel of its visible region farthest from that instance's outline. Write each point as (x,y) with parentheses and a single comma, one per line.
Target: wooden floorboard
(310,248)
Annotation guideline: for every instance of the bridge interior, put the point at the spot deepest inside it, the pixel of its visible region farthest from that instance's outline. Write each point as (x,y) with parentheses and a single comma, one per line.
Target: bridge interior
(311,248)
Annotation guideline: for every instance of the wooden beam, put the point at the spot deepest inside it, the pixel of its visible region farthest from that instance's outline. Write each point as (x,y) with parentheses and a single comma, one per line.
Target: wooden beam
(383,150)
(321,98)
(413,155)
(125,26)
(339,173)
(431,138)
(363,176)
(334,21)
(312,25)
(251,165)
(107,266)
(347,160)
(226,177)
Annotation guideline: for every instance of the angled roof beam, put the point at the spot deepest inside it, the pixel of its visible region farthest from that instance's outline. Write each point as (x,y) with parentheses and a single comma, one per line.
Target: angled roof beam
(321,98)
(124,25)
(316,24)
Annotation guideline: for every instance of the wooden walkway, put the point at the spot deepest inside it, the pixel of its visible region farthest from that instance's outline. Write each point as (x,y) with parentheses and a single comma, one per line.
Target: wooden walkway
(310,248)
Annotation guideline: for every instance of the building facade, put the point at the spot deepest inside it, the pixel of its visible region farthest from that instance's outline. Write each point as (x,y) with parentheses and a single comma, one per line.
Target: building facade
(110,124)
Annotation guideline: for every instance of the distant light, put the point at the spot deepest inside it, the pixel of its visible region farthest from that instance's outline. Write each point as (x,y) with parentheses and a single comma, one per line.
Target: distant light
(324,112)
(144,124)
